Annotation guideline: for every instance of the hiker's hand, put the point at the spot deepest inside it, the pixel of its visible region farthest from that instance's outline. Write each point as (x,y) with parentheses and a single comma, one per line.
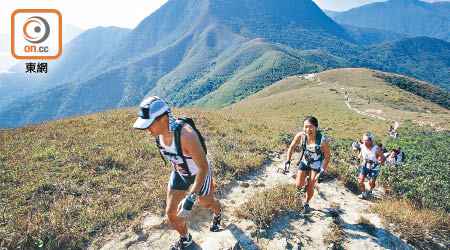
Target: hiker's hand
(287,165)
(185,206)
(320,176)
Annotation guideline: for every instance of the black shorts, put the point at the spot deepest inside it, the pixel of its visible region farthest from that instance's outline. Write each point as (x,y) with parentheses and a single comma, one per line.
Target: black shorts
(177,182)
(303,167)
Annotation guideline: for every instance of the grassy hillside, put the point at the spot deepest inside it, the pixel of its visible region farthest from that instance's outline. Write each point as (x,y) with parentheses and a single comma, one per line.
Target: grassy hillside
(401,56)
(272,64)
(418,187)
(428,155)
(422,89)
(209,53)
(67,181)
(294,97)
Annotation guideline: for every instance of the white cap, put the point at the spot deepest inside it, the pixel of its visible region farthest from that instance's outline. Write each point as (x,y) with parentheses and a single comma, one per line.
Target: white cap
(150,109)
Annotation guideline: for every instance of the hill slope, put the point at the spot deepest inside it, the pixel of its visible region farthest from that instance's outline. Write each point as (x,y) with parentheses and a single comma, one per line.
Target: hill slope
(211,53)
(71,180)
(70,67)
(323,95)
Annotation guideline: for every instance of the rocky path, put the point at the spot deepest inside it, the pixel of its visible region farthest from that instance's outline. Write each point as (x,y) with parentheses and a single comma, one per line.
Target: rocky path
(154,232)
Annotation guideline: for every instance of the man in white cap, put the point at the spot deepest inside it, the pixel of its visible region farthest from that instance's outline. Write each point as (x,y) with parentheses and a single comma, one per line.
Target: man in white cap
(191,177)
(372,157)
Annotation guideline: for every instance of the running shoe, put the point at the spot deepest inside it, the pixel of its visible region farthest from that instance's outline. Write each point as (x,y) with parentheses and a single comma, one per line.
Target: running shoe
(214,226)
(363,195)
(306,208)
(182,243)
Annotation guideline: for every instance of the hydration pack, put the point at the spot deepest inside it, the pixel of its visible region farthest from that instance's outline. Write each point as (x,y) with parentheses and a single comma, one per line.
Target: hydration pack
(179,123)
(317,148)
(371,164)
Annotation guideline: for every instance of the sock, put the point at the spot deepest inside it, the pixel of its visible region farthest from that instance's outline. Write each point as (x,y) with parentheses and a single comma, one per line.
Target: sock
(185,236)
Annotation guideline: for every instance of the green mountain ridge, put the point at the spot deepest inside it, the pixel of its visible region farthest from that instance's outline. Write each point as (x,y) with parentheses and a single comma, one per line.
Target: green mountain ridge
(74,180)
(70,67)
(212,53)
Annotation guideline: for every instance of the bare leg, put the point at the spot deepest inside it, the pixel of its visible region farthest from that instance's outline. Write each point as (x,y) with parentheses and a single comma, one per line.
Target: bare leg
(311,182)
(300,180)
(173,199)
(361,183)
(372,184)
(210,203)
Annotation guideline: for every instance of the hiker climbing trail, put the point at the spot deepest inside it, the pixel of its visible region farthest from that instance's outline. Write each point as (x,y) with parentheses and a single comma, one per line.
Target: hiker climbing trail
(154,232)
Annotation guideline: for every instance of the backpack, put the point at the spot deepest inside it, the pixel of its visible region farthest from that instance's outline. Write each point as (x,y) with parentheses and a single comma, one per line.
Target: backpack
(402,155)
(179,123)
(317,148)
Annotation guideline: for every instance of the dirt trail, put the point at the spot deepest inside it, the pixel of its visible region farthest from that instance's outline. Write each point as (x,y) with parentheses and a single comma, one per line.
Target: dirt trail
(313,77)
(156,233)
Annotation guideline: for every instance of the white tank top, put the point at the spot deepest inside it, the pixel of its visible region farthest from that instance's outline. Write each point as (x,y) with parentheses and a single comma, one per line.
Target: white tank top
(177,160)
(370,155)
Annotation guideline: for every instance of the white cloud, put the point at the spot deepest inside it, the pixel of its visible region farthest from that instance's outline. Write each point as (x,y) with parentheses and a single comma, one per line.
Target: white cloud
(86,13)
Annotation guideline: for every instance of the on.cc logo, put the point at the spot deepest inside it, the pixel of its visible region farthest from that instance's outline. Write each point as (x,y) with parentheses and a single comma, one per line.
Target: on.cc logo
(36,29)
(36,34)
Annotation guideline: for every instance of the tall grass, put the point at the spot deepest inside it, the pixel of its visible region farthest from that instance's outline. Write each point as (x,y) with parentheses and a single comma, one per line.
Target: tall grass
(421,227)
(64,182)
(267,205)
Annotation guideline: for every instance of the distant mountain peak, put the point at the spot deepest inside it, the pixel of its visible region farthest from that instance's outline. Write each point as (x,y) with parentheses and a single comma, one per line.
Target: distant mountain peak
(406,1)
(411,17)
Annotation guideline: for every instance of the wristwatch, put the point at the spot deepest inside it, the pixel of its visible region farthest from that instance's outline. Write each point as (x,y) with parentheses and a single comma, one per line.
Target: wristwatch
(193,196)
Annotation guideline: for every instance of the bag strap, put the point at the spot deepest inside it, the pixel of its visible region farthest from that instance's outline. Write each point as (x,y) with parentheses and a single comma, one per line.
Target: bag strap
(178,126)
(317,148)
(318,144)
(158,144)
(191,123)
(303,147)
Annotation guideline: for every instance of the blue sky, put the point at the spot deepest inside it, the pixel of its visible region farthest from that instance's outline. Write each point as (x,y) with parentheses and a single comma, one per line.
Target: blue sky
(119,12)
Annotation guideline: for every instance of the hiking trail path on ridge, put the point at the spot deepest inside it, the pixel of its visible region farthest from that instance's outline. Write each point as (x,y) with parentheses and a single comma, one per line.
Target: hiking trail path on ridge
(314,77)
(155,232)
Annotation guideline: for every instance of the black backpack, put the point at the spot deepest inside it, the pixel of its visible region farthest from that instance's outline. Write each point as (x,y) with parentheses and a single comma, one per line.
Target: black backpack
(317,148)
(179,123)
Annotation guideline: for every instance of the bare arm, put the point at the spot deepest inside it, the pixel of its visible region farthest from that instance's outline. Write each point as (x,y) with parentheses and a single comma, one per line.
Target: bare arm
(379,154)
(325,148)
(190,145)
(297,140)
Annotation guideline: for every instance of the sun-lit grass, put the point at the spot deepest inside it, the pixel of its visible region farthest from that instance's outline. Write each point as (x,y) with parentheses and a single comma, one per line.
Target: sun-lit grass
(267,205)
(417,225)
(366,225)
(65,181)
(286,102)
